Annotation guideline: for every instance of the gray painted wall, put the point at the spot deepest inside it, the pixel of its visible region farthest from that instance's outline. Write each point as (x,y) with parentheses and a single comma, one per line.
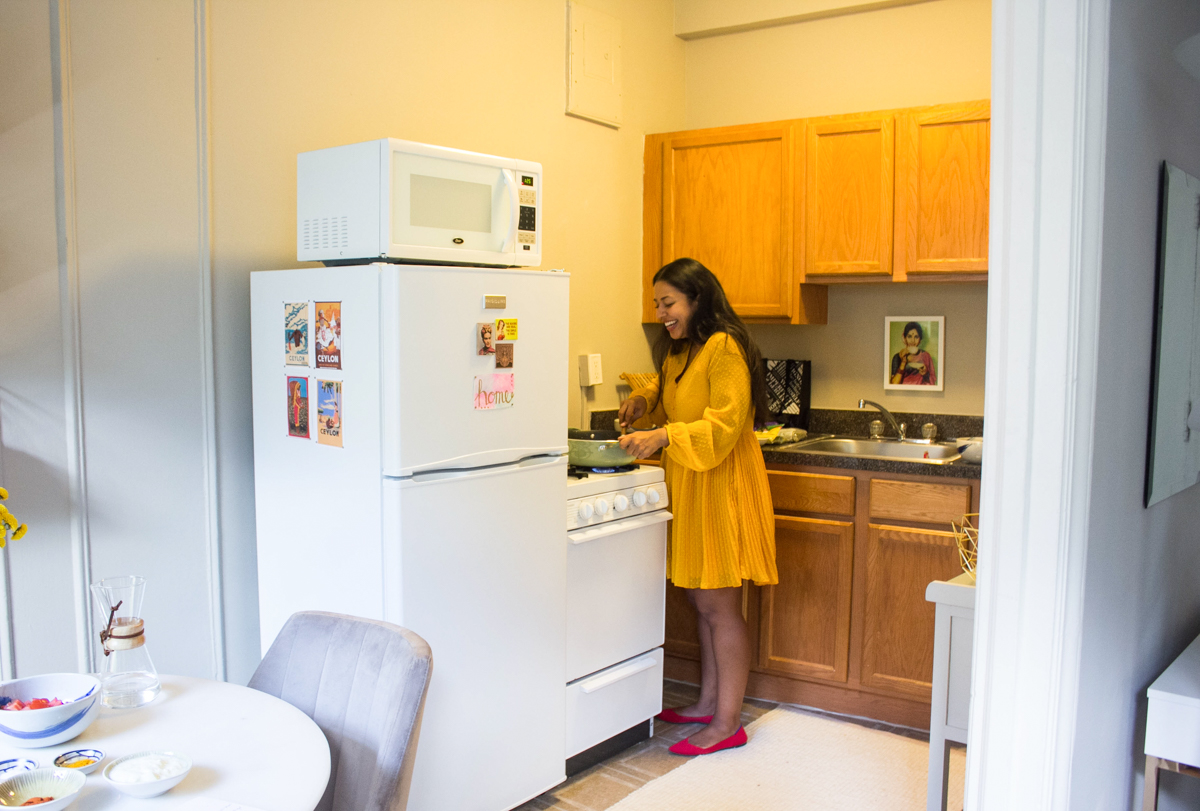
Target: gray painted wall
(1142,603)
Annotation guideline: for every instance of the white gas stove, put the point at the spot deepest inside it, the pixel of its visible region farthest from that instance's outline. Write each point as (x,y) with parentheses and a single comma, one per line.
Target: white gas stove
(601,497)
(616,593)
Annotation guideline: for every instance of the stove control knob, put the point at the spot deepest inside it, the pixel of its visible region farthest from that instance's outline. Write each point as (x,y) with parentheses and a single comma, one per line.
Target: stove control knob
(652,496)
(620,503)
(601,506)
(585,510)
(639,498)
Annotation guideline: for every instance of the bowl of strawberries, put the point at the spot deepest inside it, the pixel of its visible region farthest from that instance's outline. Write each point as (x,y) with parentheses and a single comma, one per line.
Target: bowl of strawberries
(47,710)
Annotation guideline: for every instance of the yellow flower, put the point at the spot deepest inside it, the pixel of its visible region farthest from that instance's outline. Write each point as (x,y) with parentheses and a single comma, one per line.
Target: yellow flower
(20,531)
(3,493)
(3,509)
(10,519)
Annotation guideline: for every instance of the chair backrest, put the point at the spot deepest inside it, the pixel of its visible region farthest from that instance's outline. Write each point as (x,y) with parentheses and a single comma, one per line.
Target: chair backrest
(363,682)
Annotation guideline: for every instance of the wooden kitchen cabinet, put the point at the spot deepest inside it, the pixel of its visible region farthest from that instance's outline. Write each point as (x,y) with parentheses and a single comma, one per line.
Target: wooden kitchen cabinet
(942,186)
(897,644)
(804,621)
(848,201)
(725,197)
(847,627)
(780,210)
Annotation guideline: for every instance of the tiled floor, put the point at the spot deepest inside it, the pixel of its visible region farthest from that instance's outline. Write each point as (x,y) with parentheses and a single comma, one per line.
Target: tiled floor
(605,784)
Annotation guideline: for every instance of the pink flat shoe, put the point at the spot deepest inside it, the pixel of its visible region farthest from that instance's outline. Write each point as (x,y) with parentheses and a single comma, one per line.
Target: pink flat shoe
(735,740)
(672,717)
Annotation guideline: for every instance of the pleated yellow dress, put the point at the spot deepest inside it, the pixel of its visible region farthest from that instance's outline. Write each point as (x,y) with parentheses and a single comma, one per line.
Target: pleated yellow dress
(723,531)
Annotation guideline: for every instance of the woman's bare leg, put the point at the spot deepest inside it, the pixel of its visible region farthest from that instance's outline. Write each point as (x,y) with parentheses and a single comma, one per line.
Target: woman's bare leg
(721,610)
(707,703)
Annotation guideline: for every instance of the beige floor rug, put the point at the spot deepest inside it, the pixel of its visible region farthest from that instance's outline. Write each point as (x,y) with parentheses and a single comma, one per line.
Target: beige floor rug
(799,761)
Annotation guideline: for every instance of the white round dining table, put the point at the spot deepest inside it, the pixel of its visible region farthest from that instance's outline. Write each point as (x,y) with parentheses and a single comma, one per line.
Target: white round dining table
(246,747)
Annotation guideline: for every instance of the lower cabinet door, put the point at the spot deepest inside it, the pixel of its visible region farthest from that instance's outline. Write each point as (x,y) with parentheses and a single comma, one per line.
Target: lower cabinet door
(804,626)
(603,704)
(898,622)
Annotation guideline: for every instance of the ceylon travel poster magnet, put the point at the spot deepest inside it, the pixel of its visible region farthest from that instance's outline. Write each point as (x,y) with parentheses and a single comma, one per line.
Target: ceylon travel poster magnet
(329,412)
(295,333)
(297,406)
(484,345)
(506,329)
(329,334)
(494,391)
(504,356)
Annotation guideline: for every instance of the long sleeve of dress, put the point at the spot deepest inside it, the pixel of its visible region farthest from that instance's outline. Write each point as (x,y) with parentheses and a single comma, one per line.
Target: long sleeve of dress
(703,444)
(654,412)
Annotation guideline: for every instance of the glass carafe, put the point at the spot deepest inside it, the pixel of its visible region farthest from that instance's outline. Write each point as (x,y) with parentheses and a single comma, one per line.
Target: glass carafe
(127,674)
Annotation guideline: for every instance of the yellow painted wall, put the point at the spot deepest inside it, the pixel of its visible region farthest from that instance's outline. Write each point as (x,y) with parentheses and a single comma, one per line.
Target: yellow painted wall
(928,53)
(290,76)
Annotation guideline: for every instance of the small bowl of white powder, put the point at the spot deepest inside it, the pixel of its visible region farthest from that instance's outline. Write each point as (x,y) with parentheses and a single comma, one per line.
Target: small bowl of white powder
(147,774)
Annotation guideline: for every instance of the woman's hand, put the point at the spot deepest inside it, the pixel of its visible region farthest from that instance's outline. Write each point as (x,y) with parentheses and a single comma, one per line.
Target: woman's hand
(631,411)
(643,444)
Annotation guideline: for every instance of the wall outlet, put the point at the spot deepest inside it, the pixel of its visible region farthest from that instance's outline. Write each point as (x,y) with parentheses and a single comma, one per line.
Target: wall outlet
(590,373)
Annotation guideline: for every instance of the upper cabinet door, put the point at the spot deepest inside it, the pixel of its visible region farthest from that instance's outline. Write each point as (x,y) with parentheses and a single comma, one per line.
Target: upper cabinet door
(727,202)
(848,229)
(942,191)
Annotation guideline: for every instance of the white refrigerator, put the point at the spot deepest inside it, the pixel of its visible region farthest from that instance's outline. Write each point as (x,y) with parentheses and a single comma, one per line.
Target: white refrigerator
(410,465)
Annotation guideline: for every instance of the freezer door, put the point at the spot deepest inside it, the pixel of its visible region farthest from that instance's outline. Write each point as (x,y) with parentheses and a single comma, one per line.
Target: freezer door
(446,403)
(474,562)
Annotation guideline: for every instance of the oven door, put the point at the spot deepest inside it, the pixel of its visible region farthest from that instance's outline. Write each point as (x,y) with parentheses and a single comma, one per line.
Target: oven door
(616,591)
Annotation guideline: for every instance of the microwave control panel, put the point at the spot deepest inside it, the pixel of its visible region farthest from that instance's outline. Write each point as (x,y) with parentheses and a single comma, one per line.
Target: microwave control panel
(527,214)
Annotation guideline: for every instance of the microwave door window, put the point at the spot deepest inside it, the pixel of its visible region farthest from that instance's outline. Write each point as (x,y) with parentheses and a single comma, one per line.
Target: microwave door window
(456,205)
(447,206)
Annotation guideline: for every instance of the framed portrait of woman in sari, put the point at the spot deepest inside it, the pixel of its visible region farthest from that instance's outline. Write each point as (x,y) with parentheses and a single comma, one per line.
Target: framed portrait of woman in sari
(914,352)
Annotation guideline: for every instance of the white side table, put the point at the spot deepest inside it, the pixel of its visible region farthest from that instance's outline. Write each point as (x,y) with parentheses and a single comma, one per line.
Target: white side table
(953,634)
(1173,722)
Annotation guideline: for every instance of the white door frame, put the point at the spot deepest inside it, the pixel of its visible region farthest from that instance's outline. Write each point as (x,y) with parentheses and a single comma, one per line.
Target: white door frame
(1049,99)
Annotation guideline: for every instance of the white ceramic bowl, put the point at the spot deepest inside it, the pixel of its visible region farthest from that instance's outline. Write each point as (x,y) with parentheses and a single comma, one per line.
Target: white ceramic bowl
(17,764)
(49,726)
(65,760)
(971,448)
(61,784)
(150,788)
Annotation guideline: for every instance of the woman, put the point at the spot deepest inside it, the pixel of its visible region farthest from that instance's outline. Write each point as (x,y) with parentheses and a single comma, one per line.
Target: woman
(912,365)
(711,391)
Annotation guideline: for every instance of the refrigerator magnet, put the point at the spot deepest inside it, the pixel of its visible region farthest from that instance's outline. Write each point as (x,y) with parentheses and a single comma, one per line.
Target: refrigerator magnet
(504,356)
(493,391)
(297,406)
(295,333)
(329,334)
(506,329)
(329,412)
(485,344)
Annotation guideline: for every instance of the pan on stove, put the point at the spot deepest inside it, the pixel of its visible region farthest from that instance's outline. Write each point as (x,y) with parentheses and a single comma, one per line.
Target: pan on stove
(596,449)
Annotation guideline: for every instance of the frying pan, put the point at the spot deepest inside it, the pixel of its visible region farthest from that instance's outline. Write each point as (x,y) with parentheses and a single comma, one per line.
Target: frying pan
(596,449)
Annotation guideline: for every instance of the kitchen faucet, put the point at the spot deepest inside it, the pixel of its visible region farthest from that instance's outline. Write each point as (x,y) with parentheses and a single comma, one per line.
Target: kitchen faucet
(898,427)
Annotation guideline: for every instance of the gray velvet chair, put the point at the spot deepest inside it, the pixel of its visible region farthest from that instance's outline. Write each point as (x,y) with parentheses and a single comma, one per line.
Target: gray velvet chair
(364,683)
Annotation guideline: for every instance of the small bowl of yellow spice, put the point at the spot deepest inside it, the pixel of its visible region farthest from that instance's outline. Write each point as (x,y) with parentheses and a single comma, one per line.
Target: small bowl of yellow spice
(84,761)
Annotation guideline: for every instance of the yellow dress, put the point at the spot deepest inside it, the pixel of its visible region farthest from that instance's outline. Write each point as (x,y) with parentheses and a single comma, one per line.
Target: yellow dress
(723,531)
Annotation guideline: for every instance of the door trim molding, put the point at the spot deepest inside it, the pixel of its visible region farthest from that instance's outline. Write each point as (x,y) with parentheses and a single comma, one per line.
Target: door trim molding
(1049,93)
(68,285)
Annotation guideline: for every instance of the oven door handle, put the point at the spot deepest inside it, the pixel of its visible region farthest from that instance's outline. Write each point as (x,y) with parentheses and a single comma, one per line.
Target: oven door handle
(599,531)
(611,677)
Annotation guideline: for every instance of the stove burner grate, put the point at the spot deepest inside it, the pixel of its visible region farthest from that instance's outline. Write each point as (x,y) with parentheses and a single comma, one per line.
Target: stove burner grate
(577,472)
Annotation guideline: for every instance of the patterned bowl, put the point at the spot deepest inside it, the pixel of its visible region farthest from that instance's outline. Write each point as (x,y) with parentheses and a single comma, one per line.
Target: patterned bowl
(49,726)
(84,761)
(62,785)
(17,764)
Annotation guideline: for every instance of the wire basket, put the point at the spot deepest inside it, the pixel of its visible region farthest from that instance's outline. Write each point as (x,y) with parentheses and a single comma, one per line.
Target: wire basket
(966,535)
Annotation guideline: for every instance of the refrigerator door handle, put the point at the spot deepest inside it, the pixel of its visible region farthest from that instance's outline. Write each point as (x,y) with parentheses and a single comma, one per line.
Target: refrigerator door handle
(578,536)
(611,677)
(484,472)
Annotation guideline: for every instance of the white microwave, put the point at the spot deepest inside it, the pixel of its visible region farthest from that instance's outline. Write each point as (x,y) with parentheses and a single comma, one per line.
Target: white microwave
(401,201)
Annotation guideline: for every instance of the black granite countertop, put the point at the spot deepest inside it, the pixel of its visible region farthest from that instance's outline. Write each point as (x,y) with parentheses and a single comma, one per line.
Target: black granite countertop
(790,455)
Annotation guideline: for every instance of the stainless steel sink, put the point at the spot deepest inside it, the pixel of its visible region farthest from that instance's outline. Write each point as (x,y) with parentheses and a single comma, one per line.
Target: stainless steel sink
(903,450)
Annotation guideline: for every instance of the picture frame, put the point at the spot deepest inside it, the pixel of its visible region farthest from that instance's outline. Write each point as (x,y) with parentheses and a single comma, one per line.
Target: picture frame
(922,370)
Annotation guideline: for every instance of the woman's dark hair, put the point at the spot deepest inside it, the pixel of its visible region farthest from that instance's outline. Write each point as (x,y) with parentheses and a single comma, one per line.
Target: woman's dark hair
(910,326)
(712,313)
